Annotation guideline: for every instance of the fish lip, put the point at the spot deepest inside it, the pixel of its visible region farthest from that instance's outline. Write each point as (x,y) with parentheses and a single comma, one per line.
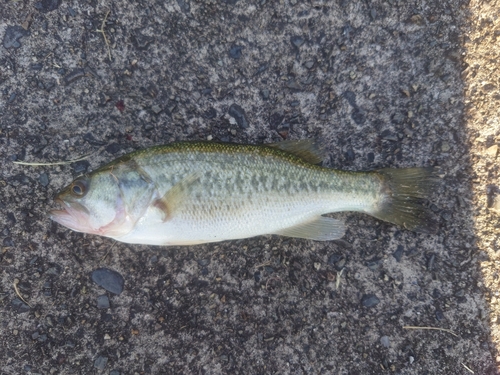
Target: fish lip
(66,210)
(55,214)
(60,211)
(72,215)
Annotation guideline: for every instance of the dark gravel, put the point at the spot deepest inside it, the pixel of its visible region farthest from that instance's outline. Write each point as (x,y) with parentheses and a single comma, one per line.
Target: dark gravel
(236,51)
(108,279)
(45,6)
(100,362)
(13,35)
(239,115)
(370,300)
(103,302)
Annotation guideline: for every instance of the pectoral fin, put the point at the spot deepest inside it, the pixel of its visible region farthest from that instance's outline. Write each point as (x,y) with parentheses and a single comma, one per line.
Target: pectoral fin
(175,197)
(319,229)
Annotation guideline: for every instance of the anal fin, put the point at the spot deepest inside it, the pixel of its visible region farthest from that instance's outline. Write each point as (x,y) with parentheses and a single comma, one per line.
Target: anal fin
(320,229)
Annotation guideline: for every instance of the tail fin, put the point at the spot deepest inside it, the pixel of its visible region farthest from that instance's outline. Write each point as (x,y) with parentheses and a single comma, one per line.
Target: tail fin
(404,193)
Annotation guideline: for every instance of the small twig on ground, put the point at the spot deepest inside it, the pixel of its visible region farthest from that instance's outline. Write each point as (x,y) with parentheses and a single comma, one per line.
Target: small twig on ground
(467,368)
(266,263)
(432,328)
(16,281)
(101,30)
(48,55)
(107,252)
(339,275)
(54,163)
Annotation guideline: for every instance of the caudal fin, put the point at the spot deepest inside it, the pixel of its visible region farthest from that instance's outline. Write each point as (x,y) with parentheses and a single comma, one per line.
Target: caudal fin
(405,191)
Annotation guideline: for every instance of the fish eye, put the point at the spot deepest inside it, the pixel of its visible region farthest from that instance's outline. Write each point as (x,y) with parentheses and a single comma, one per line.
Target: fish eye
(78,188)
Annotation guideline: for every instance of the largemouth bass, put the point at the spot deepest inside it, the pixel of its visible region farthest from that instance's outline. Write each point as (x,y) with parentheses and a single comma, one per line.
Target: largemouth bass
(196,192)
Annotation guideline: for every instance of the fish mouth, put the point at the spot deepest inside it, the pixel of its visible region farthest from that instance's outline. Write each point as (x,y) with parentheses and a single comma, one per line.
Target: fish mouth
(72,215)
(60,210)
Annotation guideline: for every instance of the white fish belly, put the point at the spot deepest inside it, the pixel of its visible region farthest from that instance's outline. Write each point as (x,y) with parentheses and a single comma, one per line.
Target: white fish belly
(203,222)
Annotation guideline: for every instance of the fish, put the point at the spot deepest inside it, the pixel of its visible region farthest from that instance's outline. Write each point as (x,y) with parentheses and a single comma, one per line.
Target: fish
(189,193)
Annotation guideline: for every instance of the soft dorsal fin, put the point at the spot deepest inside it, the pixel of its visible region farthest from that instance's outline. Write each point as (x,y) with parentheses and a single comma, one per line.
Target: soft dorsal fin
(308,149)
(319,229)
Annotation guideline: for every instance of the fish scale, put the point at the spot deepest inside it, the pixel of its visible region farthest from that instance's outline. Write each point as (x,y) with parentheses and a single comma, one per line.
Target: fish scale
(196,192)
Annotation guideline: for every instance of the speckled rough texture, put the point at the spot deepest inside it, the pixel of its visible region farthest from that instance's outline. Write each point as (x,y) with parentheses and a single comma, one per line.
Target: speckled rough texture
(482,114)
(379,82)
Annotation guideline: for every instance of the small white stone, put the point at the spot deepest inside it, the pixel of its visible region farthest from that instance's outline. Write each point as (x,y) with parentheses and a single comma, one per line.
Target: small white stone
(384,340)
(492,151)
(445,147)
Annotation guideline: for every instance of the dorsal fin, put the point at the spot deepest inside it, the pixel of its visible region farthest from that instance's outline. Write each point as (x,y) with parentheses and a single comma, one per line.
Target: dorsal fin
(308,149)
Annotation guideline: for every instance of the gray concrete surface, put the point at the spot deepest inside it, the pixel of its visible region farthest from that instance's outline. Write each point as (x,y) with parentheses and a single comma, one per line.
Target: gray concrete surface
(378,81)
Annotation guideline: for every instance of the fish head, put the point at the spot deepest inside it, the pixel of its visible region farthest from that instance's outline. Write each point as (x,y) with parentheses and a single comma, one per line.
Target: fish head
(92,204)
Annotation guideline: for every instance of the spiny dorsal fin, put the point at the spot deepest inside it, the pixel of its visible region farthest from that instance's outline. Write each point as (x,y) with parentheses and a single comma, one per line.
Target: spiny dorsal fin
(308,149)
(320,229)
